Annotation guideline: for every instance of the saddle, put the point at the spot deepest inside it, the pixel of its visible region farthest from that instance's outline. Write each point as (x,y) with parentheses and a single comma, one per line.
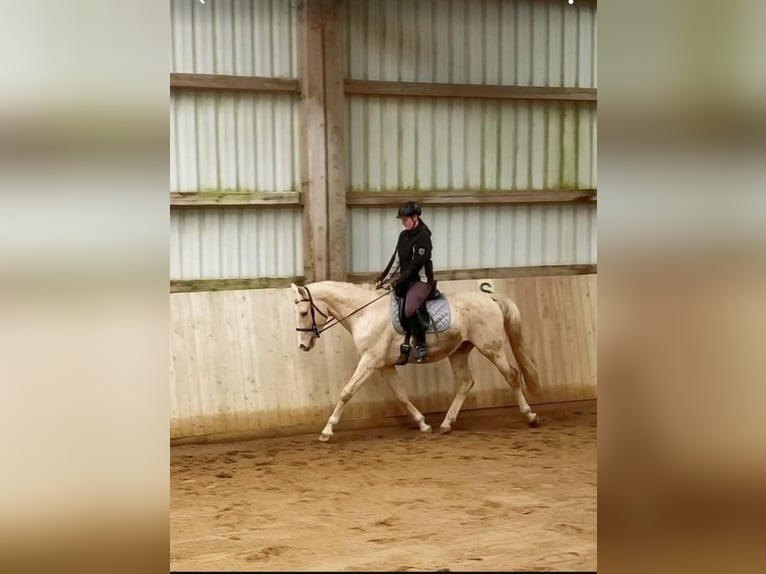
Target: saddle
(435,312)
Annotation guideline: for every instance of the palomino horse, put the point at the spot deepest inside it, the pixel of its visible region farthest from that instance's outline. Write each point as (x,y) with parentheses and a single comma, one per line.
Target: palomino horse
(478,320)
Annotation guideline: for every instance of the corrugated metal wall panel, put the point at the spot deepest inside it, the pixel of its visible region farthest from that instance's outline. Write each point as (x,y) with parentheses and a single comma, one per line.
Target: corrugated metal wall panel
(410,144)
(439,144)
(240,142)
(522,43)
(480,237)
(236,142)
(239,37)
(235,242)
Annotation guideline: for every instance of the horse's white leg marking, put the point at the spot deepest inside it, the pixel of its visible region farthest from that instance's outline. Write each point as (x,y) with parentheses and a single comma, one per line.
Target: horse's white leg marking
(511,376)
(464,383)
(392,378)
(363,371)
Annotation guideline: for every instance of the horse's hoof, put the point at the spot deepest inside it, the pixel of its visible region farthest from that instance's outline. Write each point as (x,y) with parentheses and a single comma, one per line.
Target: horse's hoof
(445,430)
(425,428)
(535,422)
(324,437)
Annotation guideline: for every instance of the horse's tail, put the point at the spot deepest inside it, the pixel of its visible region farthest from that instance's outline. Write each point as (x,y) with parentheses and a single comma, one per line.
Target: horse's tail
(512,324)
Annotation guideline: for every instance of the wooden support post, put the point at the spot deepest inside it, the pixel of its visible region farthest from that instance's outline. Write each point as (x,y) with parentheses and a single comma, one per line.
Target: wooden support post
(323,132)
(313,164)
(335,116)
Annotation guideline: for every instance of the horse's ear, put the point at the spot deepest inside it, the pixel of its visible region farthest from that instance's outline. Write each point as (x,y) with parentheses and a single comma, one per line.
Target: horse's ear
(296,290)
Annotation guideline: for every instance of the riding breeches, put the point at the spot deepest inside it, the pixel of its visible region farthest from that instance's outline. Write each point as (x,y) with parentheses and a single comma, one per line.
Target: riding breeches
(416,295)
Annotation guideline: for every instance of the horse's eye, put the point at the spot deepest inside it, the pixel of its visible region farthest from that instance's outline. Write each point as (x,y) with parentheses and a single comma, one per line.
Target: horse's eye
(304,313)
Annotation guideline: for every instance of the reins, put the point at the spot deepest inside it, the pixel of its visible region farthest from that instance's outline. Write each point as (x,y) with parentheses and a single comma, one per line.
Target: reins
(314,329)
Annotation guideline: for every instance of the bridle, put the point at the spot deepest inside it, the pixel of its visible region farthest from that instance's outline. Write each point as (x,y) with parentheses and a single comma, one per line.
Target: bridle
(314,309)
(314,327)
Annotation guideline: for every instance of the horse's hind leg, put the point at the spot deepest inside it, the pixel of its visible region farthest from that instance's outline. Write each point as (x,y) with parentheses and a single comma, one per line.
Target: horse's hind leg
(511,376)
(392,378)
(464,383)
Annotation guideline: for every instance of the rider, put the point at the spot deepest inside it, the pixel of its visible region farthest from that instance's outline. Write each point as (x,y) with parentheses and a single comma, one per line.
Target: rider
(412,258)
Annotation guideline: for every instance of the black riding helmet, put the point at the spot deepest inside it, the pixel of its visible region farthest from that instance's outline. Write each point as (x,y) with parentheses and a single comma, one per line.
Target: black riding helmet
(408,210)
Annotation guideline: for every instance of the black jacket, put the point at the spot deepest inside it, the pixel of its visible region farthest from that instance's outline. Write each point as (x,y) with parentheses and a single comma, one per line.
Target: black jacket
(412,258)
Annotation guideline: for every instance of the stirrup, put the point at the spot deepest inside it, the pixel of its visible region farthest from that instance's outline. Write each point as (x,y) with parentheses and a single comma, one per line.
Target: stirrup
(421,353)
(404,354)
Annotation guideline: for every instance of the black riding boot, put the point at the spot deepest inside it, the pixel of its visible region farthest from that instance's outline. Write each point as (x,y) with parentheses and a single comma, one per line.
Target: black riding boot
(404,352)
(419,333)
(404,348)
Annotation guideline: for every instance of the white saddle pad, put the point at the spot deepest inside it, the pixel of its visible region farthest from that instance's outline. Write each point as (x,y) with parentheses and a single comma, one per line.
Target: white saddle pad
(437,308)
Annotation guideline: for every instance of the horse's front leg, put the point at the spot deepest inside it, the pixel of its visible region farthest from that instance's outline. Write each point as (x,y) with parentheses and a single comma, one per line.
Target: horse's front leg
(364,369)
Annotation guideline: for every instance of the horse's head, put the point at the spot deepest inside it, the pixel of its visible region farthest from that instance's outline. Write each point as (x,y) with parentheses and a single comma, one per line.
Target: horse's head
(309,318)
